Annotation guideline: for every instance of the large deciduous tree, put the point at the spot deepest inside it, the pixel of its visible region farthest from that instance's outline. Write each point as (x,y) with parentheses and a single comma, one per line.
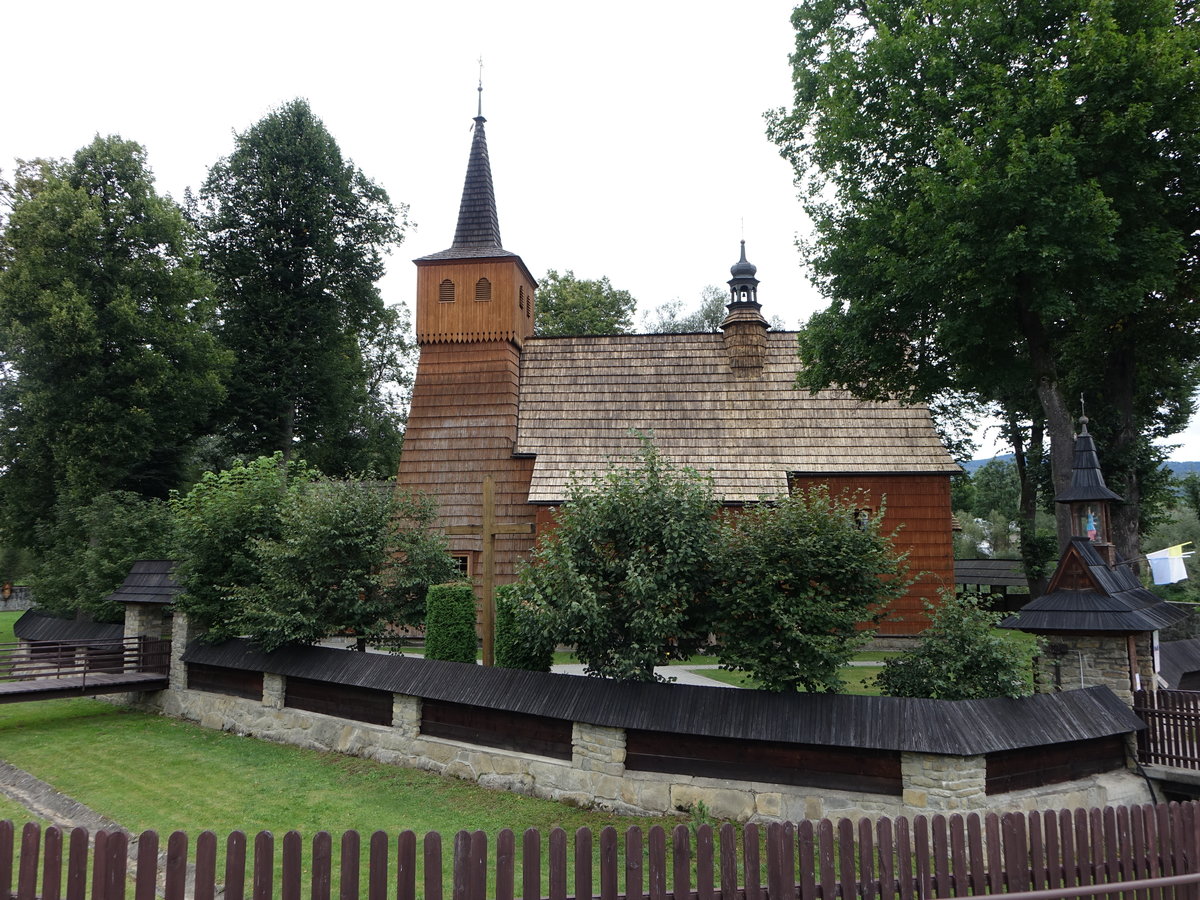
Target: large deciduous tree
(625,573)
(1007,204)
(799,579)
(295,237)
(108,371)
(567,305)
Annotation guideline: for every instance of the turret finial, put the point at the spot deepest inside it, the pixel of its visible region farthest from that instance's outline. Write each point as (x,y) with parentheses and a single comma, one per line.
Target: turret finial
(479,114)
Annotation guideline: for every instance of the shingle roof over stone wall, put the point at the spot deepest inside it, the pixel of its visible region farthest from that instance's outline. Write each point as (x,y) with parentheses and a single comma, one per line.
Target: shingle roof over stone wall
(581,398)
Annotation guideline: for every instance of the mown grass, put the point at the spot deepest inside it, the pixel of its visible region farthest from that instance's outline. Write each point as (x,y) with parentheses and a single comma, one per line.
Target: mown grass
(7,620)
(151,772)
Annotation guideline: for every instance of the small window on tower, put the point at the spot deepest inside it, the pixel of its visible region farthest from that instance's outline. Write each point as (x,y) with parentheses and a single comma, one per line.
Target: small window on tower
(446,291)
(521,296)
(483,289)
(529,306)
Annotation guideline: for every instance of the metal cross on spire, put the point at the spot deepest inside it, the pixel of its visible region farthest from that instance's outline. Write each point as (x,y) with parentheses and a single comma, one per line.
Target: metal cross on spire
(480,88)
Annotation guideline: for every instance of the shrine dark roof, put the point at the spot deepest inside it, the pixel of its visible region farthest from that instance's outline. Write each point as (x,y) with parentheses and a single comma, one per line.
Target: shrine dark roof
(1109,599)
(148,581)
(1087,480)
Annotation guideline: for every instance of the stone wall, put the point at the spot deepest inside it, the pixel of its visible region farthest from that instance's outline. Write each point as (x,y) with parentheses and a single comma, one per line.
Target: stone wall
(596,773)
(1074,661)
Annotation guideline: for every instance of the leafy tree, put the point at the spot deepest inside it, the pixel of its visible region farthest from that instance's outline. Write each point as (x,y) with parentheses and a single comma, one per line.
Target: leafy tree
(625,573)
(801,575)
(108,372)
(294,237)
(1006,205)
(90,549)
(567,305)
(218,523)
(349,558)
(996,490)
(271,550)
(670,319)
(520,642)
(962,656)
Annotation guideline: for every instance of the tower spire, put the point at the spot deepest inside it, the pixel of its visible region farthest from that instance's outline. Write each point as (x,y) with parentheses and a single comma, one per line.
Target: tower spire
(478,223)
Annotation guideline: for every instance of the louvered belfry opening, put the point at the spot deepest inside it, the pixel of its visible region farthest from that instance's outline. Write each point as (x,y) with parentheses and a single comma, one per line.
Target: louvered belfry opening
(483,290)
(446,291)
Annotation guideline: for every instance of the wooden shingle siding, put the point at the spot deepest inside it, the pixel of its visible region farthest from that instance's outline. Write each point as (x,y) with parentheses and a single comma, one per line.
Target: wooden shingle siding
(487,727)
(1032,767)
(341,700)
(221,680)
(874,771)
(921,503)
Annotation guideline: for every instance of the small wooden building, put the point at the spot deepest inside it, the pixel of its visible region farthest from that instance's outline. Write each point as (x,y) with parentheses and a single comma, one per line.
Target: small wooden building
(492,399)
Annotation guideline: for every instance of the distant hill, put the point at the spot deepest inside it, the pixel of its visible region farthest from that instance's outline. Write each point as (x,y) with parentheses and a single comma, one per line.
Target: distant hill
(1178,469)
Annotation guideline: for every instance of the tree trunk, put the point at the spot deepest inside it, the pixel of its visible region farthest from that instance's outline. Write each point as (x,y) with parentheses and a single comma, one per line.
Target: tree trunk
(1035,576)
(1125,517)
(1059,425)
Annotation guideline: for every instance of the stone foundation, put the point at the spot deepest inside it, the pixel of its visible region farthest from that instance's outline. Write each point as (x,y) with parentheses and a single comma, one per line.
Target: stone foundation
(1074,661)
(596,776)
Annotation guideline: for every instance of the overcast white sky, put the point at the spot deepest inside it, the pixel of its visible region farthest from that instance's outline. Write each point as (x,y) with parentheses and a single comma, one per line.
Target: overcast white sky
(626,138)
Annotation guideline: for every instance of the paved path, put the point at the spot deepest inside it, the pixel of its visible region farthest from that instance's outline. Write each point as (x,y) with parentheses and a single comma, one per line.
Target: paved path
(678,674)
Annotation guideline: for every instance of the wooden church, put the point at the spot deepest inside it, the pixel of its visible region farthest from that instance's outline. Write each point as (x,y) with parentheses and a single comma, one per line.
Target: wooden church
(491,399)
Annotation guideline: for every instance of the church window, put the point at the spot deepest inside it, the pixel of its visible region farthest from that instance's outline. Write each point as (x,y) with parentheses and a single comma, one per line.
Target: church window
(462,562)
(446,291)
(483,289)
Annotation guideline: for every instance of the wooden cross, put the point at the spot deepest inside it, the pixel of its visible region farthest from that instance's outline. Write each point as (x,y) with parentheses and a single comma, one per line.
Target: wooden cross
(488,529)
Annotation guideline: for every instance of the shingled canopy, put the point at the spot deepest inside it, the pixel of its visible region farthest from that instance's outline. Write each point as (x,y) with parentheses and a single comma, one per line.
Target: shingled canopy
(583,401)
(148,581)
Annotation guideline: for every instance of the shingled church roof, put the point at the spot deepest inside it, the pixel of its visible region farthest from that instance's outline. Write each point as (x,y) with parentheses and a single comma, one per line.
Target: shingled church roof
(583,398)
(478,231)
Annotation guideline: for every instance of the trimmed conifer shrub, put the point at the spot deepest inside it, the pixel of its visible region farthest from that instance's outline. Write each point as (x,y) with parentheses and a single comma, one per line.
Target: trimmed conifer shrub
(450,622)
(520,643)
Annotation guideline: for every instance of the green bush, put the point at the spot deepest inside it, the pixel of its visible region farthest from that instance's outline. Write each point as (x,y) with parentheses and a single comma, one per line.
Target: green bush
(450,622)
(962,656)
(520,642)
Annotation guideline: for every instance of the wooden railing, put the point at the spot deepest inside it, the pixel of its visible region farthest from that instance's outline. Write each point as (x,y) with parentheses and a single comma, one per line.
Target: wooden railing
(890,859)
(22,661)
(1172,733)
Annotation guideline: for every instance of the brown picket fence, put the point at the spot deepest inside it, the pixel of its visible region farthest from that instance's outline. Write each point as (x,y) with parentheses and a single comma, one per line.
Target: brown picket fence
(1172,733)
(1068,853)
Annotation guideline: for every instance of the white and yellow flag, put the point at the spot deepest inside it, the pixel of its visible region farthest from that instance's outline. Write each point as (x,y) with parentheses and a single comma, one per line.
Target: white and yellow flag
(1167,566)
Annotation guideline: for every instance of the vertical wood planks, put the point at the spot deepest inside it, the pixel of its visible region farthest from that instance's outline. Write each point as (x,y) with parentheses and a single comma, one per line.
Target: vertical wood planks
(406,865)
(432,871)
(531,864)
(27,871)
(262,885)
(289,876)
(635,868)
(322,865)
(506,862)
(175,880)
(206,866)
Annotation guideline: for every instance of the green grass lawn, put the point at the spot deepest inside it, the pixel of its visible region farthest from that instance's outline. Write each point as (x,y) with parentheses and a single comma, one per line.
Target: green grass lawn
(857,679)
(7,620)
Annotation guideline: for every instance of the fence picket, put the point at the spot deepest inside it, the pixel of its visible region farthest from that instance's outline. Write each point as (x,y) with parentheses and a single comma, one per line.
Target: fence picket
(704,864)
(920,838)
(461,889)
(681,859)
(349,877)
(77,864)
(27,873)
(235,866)
(432,869)
(175,881)
(904,869)
(1037,853)
(866,860)
(505,865)
(289,876)
(377,866)
(729,863)
(118,862)
(406,865)
(206,866)
(1016,854)
(322,865)
(531,865)
(558,864)
(52,865)
(263,883)
(807,852)
(657,859)
(99,867)
(847,881)
(940,832)
(825,860)
(888,889)
(959,870)
(583,864)
(992,852)
(479,865)
(635,868)
(146,871)
(751,862)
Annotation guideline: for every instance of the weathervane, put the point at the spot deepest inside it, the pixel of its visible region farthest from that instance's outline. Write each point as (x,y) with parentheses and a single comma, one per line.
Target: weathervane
(480,113)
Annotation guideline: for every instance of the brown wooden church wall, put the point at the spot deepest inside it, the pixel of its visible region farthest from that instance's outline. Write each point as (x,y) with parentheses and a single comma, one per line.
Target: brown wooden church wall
(921,503)
(465,318)
(461,426)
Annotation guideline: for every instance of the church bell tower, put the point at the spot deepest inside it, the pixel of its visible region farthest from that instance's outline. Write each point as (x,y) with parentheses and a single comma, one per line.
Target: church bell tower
(475,309)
